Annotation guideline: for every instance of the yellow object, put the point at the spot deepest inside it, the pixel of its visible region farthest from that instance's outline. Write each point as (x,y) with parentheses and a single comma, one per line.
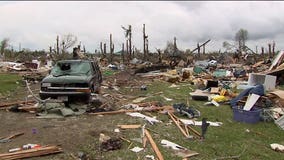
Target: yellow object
(219,98)
(223,92)
(172,72)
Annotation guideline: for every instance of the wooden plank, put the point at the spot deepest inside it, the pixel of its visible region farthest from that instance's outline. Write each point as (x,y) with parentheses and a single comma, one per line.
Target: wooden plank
(15,103)
(177,124)
(129,126)
(194,131)
(153,144)
(31,153)
(191,129)
(214,90)
(251,101)
(15,135)
(279,93)
(147,104)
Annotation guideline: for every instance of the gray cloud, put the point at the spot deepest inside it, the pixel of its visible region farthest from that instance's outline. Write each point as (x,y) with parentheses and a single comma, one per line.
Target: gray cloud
(36,24)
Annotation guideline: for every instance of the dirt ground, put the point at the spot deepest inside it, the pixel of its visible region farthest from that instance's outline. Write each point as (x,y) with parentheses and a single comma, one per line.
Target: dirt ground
(71,133)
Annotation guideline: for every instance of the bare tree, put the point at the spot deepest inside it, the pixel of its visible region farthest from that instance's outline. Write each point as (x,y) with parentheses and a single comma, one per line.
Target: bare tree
(57,44)
(160,54)
(122,53)
(68,41)
(145,44)
(4,45)
(241,37)
(273,48)
(269,50)
(170,48)
(128,36)
(111,47)
(228,46)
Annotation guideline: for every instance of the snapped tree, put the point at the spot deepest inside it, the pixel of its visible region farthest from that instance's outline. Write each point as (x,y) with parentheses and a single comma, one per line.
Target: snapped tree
(4,45)
(241,37)
(68,41)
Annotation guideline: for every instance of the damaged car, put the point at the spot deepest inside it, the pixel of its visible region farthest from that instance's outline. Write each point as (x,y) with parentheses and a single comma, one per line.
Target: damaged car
(72,79)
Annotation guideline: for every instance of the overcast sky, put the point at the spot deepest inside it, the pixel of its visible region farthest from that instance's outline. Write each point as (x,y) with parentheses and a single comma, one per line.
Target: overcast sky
(36,24)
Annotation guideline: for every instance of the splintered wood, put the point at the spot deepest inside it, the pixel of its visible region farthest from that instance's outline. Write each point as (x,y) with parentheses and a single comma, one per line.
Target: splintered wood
(45,150)
(182,127)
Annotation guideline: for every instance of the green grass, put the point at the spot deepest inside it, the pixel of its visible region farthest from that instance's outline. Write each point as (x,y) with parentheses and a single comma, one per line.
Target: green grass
(8,83)
(231,139)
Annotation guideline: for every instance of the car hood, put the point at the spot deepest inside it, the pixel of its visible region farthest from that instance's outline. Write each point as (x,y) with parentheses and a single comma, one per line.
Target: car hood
(66,79)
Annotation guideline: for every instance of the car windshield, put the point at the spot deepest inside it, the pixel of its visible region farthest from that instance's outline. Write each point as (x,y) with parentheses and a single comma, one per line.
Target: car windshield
(71,68)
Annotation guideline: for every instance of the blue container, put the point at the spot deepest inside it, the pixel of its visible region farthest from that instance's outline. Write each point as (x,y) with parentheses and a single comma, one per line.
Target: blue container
(252,116)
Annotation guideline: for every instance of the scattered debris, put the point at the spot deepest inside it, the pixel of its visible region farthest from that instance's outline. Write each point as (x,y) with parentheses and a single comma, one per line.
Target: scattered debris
(136,149)
(179,150)
(147,118)
(199,123)
(153,144)
(277,147)
(111,144)
(182,127)
(28,153)
(183,109)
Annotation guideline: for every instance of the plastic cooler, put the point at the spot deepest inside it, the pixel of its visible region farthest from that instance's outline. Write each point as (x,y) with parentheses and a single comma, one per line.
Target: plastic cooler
(252,116)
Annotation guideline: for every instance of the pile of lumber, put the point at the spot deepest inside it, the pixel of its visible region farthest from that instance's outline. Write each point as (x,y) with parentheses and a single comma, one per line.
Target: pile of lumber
(44,150)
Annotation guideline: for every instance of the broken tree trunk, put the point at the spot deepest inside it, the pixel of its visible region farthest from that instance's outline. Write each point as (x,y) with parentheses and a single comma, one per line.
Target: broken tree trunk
(160,55)
(111,47)
(145,44)
(269,50)
(127,51)
(105,48)
(57,44)
(262,52)
(102,50)
(122,53)
(273,49)
(130,41)
(198,50)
